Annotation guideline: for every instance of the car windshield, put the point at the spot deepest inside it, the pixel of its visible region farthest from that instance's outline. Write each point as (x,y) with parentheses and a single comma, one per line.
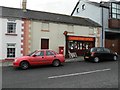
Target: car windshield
(31,53)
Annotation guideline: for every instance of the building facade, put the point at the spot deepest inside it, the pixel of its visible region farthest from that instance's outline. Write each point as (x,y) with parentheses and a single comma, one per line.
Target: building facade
(10,37)
(25,31)
(107,14)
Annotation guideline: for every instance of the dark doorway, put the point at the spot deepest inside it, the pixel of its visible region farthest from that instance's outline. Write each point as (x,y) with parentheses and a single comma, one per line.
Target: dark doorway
(44,43)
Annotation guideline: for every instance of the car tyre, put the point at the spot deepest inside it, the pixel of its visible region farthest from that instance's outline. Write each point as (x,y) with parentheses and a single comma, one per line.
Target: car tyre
(96,59)
(56,63)
(115,58)
(24,65)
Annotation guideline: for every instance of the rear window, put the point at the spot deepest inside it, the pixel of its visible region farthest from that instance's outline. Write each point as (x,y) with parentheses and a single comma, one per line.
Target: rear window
(93,50)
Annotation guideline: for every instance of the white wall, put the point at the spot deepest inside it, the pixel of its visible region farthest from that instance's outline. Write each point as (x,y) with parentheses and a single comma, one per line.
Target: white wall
(0,38)
(11,39)
(55,34)
(92,12)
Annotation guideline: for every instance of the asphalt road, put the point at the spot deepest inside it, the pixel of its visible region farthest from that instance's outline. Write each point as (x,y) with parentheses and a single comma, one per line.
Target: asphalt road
(71,75)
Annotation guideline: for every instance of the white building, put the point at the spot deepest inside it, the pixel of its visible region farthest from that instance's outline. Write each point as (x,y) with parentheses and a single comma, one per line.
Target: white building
(10,36)
(107,14)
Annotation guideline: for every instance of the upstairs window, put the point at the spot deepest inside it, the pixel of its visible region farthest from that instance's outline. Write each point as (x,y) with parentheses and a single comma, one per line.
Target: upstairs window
(11,27)
(83,7)
(115,10)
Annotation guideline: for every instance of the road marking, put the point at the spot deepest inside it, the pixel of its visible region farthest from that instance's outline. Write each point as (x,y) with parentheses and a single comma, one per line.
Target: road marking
(75,74)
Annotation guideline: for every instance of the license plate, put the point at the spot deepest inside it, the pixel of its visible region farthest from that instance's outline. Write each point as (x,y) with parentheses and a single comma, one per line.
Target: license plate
(86,57)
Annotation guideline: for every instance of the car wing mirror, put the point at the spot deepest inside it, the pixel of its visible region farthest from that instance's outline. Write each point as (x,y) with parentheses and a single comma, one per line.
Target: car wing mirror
(116,53)
(34,55)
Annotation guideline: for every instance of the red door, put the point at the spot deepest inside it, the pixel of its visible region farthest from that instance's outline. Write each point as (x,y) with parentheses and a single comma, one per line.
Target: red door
(44,43)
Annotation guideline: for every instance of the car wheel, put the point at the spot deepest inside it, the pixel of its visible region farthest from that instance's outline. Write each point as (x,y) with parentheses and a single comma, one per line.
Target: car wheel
(56,63)
(24,65)
(96,59)
(115,58)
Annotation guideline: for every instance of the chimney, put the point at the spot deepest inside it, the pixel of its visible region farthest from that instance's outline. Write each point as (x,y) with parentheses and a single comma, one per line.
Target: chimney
(24,2)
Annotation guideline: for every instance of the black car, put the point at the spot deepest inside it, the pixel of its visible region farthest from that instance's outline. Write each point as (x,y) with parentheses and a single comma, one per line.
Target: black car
(97,54)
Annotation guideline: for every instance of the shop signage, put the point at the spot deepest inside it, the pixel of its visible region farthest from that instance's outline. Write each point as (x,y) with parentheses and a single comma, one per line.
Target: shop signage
(78,38)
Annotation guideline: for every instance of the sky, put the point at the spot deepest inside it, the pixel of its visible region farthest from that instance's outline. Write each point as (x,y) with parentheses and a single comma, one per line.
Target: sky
(54,6)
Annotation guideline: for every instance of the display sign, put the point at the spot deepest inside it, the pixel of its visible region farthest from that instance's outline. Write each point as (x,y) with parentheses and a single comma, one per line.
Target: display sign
(78,38)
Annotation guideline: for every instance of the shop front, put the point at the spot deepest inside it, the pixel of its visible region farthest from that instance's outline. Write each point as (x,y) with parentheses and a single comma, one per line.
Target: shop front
(79,44)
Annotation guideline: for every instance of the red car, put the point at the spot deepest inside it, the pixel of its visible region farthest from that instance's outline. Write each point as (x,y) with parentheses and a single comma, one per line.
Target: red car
(41,57)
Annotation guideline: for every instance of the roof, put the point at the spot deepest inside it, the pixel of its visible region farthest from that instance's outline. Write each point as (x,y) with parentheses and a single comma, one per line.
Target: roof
(101,4)
(45,16)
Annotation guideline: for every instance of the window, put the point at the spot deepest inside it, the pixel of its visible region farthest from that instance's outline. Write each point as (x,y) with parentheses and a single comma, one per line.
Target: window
(83,7)
(45,26)
(49,53)
(11,27)
(100,50)
(106,50)
(41,53)
(10,50)
(115,10)
(77,10)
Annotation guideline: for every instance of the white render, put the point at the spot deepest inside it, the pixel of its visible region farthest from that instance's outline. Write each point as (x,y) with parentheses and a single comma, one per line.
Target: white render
(9,39)
(94,13)
(0,38)
(56,36)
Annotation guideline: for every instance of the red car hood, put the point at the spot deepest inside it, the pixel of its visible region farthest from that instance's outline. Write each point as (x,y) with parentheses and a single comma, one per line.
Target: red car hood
(22,57)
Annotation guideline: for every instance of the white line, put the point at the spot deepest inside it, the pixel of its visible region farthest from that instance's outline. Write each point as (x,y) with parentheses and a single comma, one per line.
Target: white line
(75,74)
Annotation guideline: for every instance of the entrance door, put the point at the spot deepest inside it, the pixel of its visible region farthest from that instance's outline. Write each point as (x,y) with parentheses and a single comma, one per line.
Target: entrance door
(44,43)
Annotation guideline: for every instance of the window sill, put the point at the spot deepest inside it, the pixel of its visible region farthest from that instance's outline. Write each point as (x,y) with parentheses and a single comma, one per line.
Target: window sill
(11,34)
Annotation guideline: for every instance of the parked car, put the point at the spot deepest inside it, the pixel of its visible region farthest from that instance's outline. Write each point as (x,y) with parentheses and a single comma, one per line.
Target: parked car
(39,57)
(97,54)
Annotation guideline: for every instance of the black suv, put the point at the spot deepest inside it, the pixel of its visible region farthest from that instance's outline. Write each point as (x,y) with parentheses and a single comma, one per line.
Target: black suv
(100,53)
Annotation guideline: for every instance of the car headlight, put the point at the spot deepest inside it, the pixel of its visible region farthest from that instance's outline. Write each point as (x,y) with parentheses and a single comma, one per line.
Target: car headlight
(15,60)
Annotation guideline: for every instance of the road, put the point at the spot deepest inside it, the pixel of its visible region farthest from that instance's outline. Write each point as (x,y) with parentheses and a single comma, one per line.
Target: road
(71,75)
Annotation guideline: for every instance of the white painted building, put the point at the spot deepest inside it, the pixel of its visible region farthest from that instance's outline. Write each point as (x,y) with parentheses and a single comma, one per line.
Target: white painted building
(107,14)
(10,37)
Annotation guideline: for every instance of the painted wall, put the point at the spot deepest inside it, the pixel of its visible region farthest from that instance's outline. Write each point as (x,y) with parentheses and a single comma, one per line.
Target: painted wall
(1,39)
(55,34)
(94,13)
(10,39)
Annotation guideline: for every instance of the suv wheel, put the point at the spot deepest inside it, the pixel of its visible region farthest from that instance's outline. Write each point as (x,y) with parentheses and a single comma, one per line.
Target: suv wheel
(96,59)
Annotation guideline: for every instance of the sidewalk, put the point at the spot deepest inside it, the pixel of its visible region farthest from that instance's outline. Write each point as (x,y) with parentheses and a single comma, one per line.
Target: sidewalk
(79,58)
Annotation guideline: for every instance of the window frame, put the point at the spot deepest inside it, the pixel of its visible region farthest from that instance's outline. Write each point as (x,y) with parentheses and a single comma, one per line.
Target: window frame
(11,29)
(11,46)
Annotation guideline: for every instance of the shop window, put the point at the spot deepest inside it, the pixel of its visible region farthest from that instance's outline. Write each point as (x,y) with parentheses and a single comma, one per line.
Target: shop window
(81,46)
(10,50)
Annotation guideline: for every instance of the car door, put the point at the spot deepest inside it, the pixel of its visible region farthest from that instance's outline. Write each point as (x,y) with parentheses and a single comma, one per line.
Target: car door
(50,56)
(100,53)
(108,54)
(37,58)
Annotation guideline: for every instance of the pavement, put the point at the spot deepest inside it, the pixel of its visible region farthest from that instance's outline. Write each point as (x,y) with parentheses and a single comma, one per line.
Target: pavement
(9,62)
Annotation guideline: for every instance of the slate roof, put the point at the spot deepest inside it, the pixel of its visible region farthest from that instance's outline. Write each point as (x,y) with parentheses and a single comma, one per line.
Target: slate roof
(45,16)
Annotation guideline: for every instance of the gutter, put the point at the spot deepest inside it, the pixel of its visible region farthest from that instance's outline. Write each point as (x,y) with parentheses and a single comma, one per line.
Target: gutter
(75,7)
